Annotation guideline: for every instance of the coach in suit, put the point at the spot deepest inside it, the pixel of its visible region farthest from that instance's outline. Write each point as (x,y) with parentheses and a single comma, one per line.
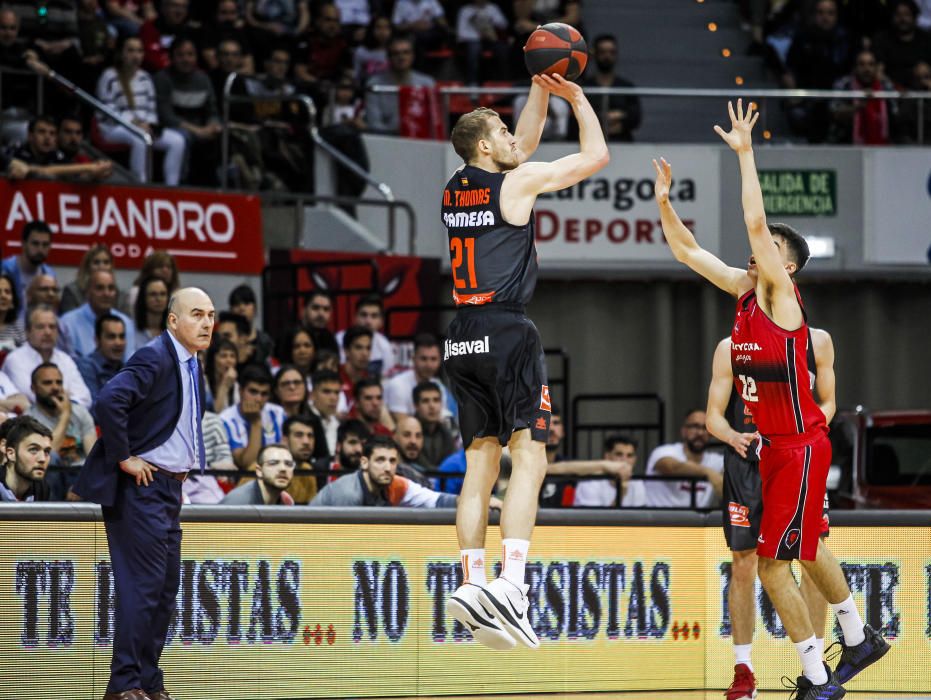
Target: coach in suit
(149,416)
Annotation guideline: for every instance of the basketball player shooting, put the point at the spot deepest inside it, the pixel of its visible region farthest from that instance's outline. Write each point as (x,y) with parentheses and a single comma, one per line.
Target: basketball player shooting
(769,359)
(493,354)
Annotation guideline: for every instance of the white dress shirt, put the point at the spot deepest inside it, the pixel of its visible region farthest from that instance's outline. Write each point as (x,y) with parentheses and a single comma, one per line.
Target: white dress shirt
(20,364)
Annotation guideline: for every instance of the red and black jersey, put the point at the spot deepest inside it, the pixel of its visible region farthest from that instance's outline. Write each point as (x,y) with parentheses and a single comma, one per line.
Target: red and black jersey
(774,372)
(492,261)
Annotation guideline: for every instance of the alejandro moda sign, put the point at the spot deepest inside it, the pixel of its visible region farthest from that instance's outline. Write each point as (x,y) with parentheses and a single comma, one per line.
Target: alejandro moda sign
(799,192)
(205,231)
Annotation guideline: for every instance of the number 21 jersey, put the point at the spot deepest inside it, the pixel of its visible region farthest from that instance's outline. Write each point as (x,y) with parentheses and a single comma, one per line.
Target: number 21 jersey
(492,261)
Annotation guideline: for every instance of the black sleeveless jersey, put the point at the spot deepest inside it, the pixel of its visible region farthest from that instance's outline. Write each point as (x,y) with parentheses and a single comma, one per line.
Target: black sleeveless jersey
(739,416)
(492,261)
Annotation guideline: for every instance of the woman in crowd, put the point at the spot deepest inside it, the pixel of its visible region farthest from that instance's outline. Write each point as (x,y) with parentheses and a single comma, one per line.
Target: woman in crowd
(296,347)
(131,92)
(289,390)
(97,258)
(12,334)
(157,264)
(150,311)
(371,56)
(220,368)
(242,301)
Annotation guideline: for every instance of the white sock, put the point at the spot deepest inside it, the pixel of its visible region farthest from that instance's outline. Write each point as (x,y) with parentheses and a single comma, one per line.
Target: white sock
(473,566)
(850,621)
(742,655)
(812,665)
(514,559)
(820,644)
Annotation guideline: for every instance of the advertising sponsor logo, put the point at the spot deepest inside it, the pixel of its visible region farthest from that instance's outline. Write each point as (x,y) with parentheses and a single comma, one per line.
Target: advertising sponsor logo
(465,347)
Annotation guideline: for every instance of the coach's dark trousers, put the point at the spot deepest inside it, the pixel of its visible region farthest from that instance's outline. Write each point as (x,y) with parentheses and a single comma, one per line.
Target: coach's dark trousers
(144,535)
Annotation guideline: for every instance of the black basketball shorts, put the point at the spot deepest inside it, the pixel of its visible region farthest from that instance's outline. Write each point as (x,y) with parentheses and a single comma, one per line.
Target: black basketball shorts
(742,503)
(497,372)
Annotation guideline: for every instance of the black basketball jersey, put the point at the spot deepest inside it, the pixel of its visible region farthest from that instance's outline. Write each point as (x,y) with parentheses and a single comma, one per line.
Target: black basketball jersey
(492,261)
(739,416)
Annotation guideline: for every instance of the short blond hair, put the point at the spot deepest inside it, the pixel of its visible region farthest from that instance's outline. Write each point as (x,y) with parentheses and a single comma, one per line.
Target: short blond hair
(469,130)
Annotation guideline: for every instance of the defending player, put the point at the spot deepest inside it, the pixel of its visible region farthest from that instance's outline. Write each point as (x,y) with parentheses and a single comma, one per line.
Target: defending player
(769,339)
(730,421)
(493,355)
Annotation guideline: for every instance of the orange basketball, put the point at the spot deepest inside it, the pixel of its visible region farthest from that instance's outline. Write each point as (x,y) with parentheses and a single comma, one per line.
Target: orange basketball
(556,48)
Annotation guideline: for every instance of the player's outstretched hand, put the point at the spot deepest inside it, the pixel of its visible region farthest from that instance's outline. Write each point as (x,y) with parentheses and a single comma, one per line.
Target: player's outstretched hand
(663,180)
(558,85)
(738,138)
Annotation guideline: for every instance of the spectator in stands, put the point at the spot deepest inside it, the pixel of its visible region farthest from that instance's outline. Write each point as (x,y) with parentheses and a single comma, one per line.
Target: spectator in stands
(186,102)
(324,399)
(228,25)
(326,53)
(274,471)
(254,421)
(565,11)
(228,58)
(12,402)
(556,126)
(424,20)
(95,42)
(301,439)
(128,16)
(820,54)
(370,313)
(158,35)
(902,45)
(370,407)
(318,310)
(619,114)
(289,390)
(399,390)
(350,438)
(40,156)
(409,437)
(357,347)
(235,328)
(130,90)
(99,367)
(242,301)
(151,312)
(870,122)
(689,457)
(480,28)
(371,56)
(382,109)
(43,290)
(206,489)
(96,258)
(160,264)
(377,483)
(552,494)
(41,338)
(27,450)
(296,347)
(70,143)
(73,433)
(909,114)
(55,37)
(220,369)
(12,333)
(355,17)
(77,326)
(603,492)
(276,22)
(438,441)
(22,268)
(19,91)
(346,108)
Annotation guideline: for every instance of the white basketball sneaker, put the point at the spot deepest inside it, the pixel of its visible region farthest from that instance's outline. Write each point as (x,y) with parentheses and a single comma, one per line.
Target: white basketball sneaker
(509,604)
(464,605)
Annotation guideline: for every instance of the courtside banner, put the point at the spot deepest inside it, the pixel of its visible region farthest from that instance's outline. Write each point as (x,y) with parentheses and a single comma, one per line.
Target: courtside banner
(205,231)
(294,610)
(612,216)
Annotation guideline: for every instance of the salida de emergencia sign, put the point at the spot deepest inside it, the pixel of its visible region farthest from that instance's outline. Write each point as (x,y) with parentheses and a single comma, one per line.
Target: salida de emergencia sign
(799,192)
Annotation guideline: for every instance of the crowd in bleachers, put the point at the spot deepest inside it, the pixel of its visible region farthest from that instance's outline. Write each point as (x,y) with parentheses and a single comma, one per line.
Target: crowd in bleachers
(847,45)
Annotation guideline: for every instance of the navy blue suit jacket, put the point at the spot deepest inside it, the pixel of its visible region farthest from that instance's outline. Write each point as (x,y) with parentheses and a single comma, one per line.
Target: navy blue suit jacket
(136,411)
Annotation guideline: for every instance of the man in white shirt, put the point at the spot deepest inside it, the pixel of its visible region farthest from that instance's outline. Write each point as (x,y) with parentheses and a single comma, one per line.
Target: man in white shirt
(686,458)
(603,492)
(399,390)
(78,325)
(371,314)
(324,402)
(254,422)
(41,339)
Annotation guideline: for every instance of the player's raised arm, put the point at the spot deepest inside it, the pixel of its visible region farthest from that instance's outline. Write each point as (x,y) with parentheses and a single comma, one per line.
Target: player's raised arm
(525,182)
(719,394)
(823,346)
(685,248)
(532,119)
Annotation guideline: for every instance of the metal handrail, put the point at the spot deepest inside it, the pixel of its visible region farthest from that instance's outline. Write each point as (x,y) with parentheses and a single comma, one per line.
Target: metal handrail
(86,97)
(312,130)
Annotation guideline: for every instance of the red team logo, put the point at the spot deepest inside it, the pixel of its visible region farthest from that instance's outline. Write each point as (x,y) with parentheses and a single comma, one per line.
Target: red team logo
(740,515)
(545,404)
(792,538)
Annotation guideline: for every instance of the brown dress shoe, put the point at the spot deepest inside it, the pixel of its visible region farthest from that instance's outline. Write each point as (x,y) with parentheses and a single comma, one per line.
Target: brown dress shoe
(134,694)
(160,695)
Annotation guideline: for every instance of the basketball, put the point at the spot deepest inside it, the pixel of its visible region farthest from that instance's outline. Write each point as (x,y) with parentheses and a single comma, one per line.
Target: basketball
(556,48)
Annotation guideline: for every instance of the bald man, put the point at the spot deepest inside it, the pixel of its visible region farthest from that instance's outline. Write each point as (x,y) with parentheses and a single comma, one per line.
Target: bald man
(149,416)
(408,434)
